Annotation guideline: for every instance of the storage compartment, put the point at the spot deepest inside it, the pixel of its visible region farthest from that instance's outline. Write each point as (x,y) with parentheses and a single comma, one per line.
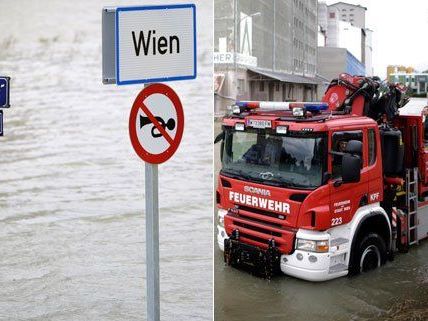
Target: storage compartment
(392,151)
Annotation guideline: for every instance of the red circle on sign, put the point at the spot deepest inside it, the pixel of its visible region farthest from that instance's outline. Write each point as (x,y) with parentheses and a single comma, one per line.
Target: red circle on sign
(133,119)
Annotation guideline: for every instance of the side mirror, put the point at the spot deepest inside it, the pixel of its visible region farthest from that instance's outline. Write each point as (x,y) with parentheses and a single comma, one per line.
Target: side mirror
(351,168)
(219,137)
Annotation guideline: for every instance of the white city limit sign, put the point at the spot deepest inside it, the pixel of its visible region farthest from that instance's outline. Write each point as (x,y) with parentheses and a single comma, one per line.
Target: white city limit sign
(155,43)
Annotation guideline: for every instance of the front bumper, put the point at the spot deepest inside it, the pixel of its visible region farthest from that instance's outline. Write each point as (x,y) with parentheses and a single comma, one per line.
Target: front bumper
(221,236)
(305,265)
(310,266)
(314,266)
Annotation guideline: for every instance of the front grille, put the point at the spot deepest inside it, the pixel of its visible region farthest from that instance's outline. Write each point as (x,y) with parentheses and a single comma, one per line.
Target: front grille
(258,229)
(262,212)
(270,224)
(253,238)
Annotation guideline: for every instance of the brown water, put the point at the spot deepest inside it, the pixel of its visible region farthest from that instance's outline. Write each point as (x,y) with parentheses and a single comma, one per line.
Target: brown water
(72,189)
(398,291)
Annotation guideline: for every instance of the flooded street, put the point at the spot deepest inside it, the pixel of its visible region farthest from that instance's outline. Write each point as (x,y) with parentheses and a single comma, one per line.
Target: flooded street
(397,291)
(72,230)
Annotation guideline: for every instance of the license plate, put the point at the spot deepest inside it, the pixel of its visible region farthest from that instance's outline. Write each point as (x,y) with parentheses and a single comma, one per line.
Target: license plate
(258,123)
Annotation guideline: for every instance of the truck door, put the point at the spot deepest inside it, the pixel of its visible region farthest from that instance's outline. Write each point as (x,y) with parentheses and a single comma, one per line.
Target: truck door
(345,199)
(374,166)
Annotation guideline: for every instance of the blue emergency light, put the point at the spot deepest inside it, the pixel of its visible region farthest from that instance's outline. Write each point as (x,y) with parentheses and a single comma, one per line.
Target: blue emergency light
(315,107)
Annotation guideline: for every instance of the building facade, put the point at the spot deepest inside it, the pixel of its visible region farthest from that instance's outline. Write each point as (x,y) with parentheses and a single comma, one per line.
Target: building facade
(334,61)
(265,50)
(344,27)
(417,82)
(354,14)
(399,69)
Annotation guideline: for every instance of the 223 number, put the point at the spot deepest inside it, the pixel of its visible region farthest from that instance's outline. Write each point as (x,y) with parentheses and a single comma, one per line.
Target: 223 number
(336,221)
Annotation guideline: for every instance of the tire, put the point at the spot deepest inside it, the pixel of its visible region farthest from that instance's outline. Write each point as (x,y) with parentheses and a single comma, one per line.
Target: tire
(369,254)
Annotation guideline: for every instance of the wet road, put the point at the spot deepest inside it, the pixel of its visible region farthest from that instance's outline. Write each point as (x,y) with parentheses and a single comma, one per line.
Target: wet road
(397,291)
(71,188)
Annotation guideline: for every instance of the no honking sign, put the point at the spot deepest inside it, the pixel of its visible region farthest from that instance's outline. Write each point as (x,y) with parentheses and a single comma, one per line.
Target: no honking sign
(156,123)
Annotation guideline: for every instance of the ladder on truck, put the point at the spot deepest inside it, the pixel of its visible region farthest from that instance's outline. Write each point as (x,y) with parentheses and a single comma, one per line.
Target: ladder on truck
(412,204)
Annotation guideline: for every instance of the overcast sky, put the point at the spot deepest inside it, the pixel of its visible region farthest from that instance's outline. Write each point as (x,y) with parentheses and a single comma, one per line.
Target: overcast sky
(400,32)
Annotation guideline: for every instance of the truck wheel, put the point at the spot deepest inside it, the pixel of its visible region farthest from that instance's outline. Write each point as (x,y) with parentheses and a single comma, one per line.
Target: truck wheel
(369,254)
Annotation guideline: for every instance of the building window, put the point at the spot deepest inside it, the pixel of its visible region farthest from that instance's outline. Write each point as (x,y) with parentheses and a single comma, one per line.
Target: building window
(332,15)
(241,86)
(290,91)
(277,86)
(261,86)
(343,9)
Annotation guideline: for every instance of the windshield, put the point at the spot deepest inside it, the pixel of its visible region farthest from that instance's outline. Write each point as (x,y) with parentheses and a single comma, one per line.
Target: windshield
(291,161)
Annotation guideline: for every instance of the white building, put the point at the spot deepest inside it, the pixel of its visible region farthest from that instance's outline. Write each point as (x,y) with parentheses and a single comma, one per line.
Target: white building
(344,26)
(369,52)
(354,14)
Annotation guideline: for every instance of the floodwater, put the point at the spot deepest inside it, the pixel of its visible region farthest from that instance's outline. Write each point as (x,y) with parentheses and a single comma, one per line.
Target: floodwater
(396,292)
(72,232)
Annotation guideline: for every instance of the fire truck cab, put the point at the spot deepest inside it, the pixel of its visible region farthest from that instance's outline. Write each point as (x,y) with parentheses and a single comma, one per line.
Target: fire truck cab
(318,194)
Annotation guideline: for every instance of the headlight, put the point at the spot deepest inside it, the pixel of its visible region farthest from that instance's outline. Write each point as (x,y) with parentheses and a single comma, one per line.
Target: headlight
(220,217)
(312,246)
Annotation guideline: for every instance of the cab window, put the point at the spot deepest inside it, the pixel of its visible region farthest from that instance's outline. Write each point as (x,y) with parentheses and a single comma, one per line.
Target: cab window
(339,143)
(372,146)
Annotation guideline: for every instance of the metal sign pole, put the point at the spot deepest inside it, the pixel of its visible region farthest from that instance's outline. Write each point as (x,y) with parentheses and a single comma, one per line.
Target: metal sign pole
(118,23)
(152,242)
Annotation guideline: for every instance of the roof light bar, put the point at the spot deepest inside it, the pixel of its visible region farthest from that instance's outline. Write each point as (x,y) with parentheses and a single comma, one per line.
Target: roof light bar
(281,105)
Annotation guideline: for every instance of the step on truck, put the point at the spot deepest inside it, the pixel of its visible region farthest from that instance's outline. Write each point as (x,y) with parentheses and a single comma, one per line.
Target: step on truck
(322,190)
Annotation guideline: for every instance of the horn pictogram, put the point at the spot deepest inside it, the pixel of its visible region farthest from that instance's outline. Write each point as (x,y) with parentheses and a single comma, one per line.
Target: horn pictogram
(170,124)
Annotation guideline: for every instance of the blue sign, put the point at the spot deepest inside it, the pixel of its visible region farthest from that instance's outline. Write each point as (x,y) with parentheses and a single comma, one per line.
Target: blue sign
(4,92)
(1,123)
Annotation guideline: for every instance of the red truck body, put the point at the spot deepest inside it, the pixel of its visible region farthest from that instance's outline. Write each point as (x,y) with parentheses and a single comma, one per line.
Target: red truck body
(326,230)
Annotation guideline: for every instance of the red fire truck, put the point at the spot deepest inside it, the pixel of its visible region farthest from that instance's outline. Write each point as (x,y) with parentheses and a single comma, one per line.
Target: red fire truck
(322,190)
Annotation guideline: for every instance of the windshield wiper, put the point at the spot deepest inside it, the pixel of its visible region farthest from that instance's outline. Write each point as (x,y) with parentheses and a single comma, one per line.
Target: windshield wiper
(236,173)
(279,181)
